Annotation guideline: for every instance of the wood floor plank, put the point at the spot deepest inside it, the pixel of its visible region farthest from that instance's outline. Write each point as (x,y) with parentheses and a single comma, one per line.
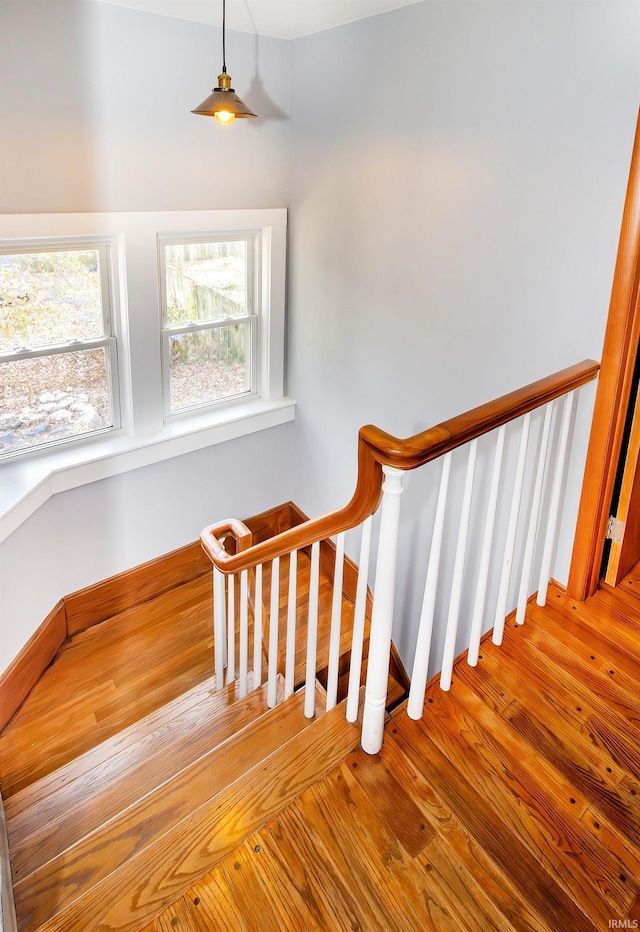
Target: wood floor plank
(338,843)
(534,802)
(615,842)
(301,885)
(248,889)
(176,918)
(620,689)
(317,879)
(124,740)
(634,914)
(540,888)
(125,641)
(458,842)
(464,897)
(394,807)
(431,881)
(619,808)
(627,591)
(47,732)
(44,879)
(50,828)
(570,749)
(354,815)
(567,694)
(141,888)
(212,905)
(494,678)
(614,678)
(607,625)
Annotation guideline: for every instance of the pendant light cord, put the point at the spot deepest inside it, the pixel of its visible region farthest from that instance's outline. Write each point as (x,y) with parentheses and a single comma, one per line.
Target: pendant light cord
(224,20)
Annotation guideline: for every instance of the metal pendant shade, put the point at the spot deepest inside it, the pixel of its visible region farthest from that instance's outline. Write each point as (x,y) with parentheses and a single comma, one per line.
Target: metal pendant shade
(223,99)
(223,103)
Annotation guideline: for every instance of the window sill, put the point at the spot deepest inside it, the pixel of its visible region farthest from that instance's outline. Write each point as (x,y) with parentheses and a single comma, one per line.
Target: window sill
(26,484)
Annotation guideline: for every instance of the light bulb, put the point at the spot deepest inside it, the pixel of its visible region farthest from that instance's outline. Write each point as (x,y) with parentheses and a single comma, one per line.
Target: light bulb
(224,117)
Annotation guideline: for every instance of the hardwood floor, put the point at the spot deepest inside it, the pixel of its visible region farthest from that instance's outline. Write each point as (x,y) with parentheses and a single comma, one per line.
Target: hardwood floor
(513,804)
(108,677)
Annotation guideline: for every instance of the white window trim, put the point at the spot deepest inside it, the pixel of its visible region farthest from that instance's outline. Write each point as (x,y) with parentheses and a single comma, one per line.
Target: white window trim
(145,437)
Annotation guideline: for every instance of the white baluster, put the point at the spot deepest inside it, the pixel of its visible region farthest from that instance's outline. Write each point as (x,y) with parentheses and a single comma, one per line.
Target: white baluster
(272,674)
(290,659)
(219,626)
(336,621)
(244,634)
(382,620)
(510,540)
(554,504)
(485,557)
(359,612)
(534,516)
(458,572)
(257,629)
(231,629)
(425,628)
(312,633)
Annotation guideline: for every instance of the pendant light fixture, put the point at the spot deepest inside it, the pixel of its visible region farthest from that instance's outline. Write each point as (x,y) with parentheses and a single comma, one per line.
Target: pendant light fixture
(223,103)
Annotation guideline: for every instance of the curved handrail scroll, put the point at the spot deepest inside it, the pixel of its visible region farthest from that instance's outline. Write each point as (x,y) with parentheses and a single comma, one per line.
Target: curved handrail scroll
(376,449)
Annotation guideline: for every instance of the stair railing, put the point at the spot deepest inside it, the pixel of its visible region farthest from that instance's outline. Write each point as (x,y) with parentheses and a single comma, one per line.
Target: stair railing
(382,462)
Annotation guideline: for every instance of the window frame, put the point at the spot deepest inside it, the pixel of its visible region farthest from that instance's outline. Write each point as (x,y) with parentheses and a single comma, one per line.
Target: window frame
(109,341)
(27,481)
(253,303)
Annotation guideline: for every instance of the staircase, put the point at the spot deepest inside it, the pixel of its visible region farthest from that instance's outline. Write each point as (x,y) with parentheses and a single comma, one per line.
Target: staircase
(128,774)
(511,804)
(112,837)
(131,771)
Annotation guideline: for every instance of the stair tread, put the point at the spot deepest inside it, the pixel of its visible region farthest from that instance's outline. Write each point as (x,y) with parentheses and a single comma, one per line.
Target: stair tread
(139,890)
(81,806)
(61,879)
(129,737)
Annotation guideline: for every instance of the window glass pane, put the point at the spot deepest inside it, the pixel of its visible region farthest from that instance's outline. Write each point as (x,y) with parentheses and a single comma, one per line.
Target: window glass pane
(49,297)
(207,365)
(206,281)
(50,398)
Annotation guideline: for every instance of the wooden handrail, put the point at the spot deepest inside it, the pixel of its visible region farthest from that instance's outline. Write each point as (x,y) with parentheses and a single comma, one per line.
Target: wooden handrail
(376,449)
(215,533)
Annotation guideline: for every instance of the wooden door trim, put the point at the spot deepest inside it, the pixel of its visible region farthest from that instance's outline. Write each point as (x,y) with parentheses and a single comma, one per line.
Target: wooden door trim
(612,396)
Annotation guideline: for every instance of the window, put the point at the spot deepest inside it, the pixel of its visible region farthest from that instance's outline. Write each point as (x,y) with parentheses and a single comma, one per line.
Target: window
(209,324)
(130,338)
(58,361)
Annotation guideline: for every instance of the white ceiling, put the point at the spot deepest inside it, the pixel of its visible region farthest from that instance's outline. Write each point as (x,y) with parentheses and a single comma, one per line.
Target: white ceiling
(285,19)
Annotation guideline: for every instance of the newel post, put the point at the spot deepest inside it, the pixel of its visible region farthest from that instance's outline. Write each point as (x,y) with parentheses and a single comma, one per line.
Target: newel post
(382,617)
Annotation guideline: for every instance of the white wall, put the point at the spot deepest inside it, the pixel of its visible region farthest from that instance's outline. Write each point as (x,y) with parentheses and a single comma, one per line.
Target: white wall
(92,532)
(457,174)
(95,112)
(457,183)
(95,116)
